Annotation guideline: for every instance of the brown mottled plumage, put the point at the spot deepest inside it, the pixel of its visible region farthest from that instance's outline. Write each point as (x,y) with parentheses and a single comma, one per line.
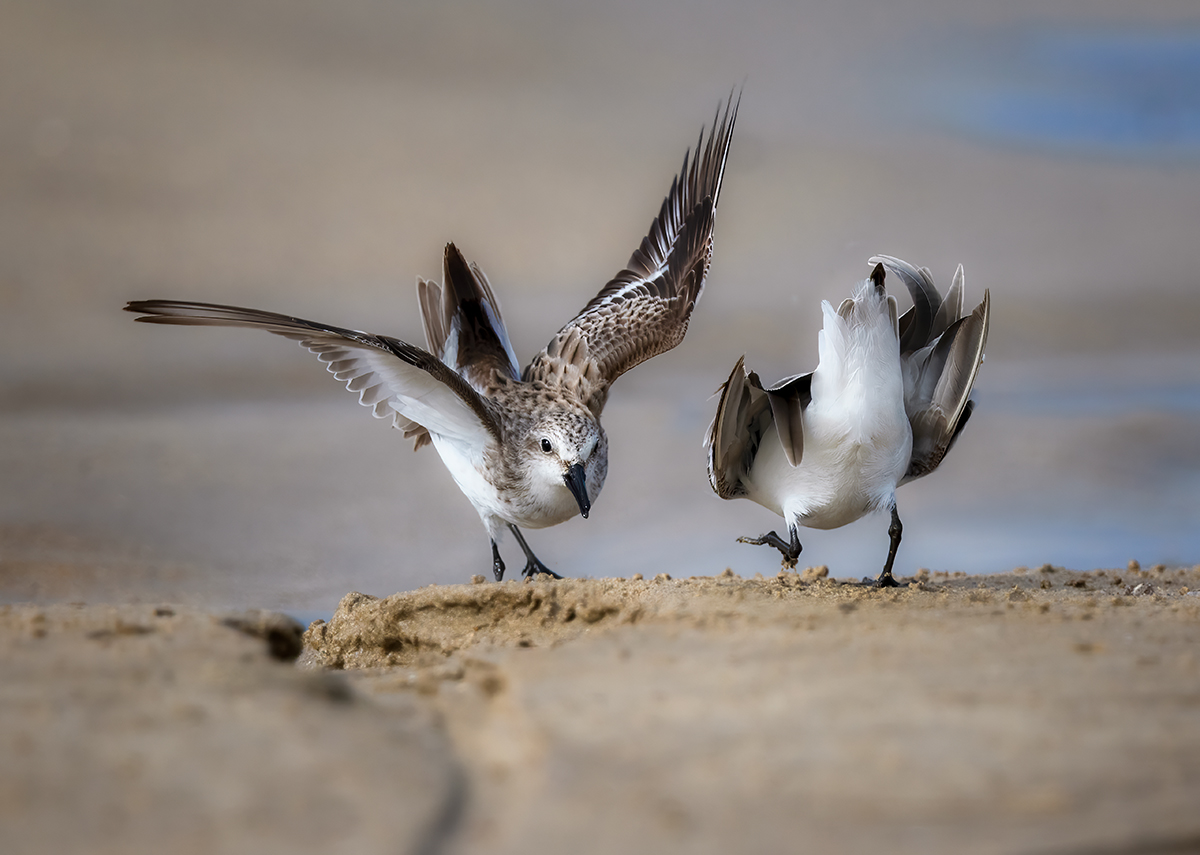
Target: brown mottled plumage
(527,449)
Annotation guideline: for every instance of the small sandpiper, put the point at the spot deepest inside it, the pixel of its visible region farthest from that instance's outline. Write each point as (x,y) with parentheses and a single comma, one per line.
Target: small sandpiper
(525,447)
(887,401)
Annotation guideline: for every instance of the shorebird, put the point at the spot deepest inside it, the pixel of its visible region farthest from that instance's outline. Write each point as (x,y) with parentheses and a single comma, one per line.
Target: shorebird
(525,447)
(887,401)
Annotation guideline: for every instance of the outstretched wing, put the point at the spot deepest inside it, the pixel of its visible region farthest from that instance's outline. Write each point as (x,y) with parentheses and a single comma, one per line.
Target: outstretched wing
(395,379)
(644,310)
(939,361)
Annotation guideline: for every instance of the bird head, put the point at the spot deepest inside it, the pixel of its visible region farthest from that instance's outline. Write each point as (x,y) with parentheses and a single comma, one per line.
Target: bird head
(567,451)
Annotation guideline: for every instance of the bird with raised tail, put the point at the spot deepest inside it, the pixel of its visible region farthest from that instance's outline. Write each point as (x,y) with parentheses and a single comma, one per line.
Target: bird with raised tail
(525,447)
(888,398)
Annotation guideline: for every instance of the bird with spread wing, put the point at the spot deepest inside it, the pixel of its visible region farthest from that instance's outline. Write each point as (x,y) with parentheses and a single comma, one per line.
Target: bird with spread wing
(525,447)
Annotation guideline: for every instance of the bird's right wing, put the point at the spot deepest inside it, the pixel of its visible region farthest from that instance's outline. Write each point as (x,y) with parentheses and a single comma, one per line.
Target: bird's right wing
(395,379)
(940,354)
(938,380)
(644,310)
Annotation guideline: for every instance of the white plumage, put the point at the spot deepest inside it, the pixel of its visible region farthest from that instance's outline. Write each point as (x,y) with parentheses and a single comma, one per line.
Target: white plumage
(884,405)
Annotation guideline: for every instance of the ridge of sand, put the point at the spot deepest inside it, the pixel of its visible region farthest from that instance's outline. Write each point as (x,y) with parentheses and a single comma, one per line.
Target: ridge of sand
(1037,711)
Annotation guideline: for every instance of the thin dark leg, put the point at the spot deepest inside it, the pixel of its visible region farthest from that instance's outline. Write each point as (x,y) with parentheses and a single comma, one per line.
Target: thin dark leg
(497,562)
(532,565)
(789,549)
(885,579)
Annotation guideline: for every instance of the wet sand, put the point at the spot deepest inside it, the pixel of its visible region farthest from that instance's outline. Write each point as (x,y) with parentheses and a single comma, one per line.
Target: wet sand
(1038,711)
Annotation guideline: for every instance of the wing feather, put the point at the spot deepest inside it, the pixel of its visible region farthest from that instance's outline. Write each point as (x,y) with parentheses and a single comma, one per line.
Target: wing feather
(396,379)
(938,380)
(940,354)
(744,414)
(644,310)
(463,328)
(788,399)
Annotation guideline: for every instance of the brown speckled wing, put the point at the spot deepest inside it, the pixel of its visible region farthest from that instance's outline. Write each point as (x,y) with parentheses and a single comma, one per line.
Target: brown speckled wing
(645,309)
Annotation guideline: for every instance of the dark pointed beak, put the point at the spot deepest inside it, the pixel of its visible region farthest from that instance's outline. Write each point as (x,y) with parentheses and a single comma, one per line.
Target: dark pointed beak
(576,481)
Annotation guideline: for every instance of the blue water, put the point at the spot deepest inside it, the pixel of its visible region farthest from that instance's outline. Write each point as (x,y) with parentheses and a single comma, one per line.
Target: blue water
(1095,396)
(1126,93)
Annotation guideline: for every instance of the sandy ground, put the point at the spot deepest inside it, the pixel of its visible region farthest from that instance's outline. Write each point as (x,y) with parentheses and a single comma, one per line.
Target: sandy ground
(1041,711)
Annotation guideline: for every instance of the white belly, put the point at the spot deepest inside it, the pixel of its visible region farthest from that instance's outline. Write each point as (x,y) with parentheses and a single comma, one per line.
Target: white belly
(854,456)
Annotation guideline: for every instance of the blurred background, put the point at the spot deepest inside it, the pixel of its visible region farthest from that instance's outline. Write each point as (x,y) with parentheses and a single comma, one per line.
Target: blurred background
(314,157)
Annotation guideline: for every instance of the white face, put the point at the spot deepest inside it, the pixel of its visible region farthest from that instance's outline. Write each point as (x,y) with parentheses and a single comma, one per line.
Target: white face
(557,446)
(566,451)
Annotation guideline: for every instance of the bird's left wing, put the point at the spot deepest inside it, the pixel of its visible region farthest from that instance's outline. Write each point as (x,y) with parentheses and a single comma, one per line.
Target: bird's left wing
(645,309)
(395,379)
(745,413)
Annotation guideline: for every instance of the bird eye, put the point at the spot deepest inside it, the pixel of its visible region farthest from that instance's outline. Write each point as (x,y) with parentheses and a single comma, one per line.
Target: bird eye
(546,446)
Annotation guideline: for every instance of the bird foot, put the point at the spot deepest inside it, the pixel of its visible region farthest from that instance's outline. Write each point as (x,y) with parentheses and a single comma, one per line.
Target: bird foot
(789,550)
(885,580)
(533,565)
(537,568)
